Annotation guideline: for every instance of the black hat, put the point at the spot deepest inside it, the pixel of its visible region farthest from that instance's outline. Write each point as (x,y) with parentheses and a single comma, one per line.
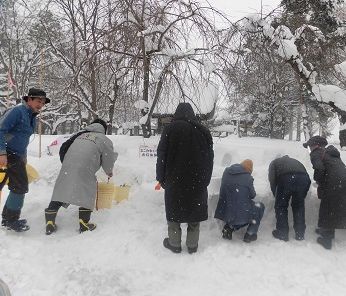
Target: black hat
(102,122)
(316,140)
(36,93)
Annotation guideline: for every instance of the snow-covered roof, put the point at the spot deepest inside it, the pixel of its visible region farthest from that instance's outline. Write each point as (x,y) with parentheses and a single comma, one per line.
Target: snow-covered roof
(202,101)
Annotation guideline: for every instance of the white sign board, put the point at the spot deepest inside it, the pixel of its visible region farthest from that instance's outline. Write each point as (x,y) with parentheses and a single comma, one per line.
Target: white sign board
(147,151)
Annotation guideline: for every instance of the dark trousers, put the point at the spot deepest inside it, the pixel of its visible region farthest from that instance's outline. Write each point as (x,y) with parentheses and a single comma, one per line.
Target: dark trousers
(18,186)
(174,234)
(16,171)
(293,186)
(84,213)
(55,205)
(256,217)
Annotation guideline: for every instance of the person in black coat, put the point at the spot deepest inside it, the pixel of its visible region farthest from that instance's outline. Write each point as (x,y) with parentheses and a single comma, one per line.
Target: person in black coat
(330,175)
(236,206)
(289,178)
(184,166)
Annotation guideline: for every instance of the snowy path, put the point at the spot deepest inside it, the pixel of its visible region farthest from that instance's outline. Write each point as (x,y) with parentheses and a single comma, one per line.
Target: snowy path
(125,256)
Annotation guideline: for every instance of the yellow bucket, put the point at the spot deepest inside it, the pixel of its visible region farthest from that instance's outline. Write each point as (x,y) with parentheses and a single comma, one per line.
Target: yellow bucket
(30,171)
(121,192)
(3,174)
(105,193)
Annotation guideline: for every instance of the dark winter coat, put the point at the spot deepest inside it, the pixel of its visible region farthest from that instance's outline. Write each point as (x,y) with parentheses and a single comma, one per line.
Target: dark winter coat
(330,175)
(184,166)
(237,192)
(282,166)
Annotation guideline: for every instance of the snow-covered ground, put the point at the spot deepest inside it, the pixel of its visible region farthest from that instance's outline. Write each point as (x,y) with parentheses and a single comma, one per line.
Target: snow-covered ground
(125,256)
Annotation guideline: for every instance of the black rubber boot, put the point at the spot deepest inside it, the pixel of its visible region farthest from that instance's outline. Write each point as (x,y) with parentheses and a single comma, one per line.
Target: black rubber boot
(248,238)
(84,217)
(227,232)
(192,250)
(10,219)
(4,216)
(10,216)
(50,221)
(325,242)
(279,235)
(168,246)
(320,231)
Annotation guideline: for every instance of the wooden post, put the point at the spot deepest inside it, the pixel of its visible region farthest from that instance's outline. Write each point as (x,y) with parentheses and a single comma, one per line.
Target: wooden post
(41,79)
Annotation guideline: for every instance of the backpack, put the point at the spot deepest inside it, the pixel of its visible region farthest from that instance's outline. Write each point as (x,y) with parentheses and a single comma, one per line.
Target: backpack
(66,145)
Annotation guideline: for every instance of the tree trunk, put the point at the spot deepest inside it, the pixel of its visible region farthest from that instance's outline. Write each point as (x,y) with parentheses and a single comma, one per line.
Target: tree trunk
(93,85)
(146,68)
(306,122)
(299,122)
(290,132)
(112,107)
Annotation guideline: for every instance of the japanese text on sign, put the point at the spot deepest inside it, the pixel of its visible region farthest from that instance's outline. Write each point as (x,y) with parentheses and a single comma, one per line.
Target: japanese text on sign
(147,151)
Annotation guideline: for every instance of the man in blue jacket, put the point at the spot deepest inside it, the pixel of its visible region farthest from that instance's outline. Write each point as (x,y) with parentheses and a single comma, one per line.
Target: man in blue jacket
(16,127)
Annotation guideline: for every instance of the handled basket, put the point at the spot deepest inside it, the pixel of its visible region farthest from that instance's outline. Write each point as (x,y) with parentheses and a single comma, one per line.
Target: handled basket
(105,193)
(121,192)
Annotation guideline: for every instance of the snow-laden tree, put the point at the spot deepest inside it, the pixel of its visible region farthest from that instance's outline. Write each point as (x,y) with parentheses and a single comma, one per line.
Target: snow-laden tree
(323,87)
(173,42)
(18,58)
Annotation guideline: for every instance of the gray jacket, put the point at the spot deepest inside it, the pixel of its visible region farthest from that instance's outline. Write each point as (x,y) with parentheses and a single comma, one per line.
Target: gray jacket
(77,183)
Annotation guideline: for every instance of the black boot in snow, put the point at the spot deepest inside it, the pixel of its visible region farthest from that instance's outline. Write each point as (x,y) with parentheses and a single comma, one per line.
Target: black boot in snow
(5,222)
(227,232)
(50,221)
(17,226)
(10,220)
(248,238)
(8,215)
(168,246)
(325,242)
(320,231)
(192,250)
(84,217)
(279,235)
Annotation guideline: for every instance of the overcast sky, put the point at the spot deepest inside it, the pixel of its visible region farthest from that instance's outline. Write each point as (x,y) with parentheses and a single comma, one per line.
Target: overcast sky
(237,9)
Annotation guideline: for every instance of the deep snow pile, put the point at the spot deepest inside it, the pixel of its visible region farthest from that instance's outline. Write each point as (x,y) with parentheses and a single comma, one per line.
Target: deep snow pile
(125,256)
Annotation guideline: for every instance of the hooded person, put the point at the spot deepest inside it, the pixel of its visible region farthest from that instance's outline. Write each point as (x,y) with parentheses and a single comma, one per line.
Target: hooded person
(236,206)
(184,167)
(330,176)
(77,183)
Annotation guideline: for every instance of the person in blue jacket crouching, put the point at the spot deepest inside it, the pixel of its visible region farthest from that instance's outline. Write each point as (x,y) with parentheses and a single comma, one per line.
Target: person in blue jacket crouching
(236,206)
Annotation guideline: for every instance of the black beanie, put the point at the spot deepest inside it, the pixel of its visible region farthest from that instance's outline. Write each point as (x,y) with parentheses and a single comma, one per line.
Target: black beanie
(100,121)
